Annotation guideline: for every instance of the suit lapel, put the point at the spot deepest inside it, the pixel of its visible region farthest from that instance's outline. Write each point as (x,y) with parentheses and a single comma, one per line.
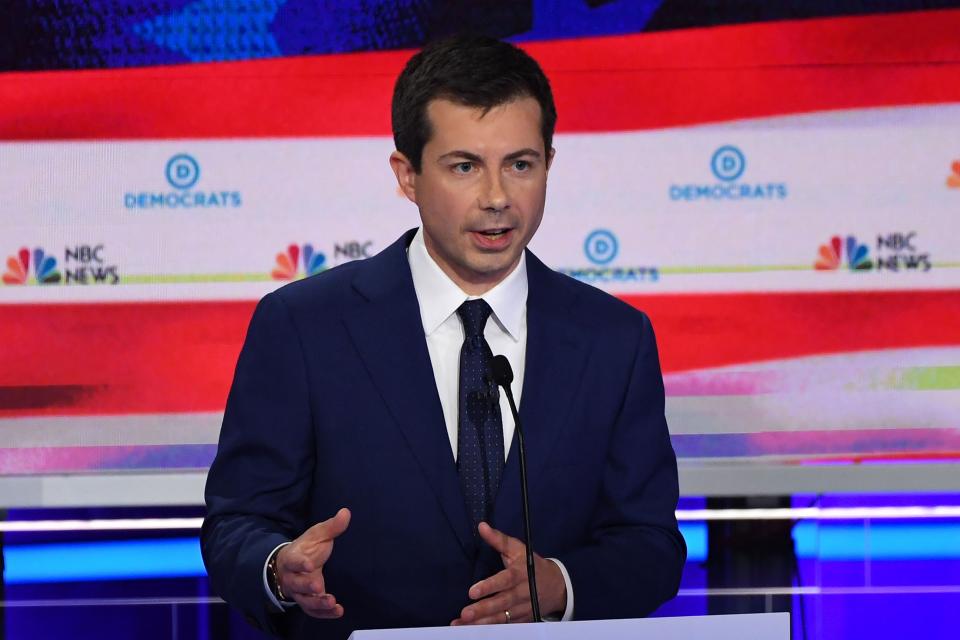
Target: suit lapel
(556,355)
(387,332)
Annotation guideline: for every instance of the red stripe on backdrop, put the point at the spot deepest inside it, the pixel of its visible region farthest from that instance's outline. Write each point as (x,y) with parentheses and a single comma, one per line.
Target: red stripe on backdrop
(712,330)
(179,357)
(119,358)
(602,84)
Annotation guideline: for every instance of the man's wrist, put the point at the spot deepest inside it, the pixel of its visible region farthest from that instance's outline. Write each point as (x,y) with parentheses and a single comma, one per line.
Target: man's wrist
(565,612)
(271,580)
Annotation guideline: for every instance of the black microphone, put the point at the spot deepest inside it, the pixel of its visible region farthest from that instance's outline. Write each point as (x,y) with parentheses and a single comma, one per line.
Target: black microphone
(502,375)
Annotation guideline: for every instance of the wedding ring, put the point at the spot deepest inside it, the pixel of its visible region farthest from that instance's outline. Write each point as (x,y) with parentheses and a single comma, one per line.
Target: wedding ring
(507,616)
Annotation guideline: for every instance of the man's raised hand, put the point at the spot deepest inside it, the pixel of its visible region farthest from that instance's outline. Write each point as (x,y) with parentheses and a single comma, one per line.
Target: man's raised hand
(300,567)
(508,590)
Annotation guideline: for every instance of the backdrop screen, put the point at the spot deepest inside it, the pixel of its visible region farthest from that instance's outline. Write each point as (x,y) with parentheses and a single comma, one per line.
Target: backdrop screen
(778,188)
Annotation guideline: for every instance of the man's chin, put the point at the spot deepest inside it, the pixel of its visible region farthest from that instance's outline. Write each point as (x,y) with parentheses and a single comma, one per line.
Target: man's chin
(495,269)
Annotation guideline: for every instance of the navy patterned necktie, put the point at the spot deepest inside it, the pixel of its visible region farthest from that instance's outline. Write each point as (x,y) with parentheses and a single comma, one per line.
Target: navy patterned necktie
(480,427)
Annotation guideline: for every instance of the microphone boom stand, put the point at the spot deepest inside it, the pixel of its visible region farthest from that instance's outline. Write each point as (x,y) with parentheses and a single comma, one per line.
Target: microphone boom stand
(503,376)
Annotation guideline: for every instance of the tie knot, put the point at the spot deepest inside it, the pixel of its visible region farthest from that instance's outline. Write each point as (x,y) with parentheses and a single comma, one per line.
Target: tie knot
(474,314)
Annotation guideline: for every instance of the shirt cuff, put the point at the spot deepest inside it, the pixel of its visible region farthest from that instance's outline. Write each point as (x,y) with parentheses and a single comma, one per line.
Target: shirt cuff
(282,606)
(568,612)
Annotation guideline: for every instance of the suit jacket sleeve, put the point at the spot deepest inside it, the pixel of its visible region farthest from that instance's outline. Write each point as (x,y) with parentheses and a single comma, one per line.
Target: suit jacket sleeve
(258,485)
(634,554)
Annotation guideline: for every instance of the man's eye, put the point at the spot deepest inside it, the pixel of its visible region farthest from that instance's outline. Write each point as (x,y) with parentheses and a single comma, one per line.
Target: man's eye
(463,167)
(521,165)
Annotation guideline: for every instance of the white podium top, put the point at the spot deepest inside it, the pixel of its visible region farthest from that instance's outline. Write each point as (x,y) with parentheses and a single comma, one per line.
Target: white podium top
(756,626)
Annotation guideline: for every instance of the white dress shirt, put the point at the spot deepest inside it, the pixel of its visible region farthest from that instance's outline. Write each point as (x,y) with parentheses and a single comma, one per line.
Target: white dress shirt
(506,333)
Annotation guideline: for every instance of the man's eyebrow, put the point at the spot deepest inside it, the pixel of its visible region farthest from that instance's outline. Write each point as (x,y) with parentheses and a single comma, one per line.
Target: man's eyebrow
(472,157)
(457,153)
(521,153)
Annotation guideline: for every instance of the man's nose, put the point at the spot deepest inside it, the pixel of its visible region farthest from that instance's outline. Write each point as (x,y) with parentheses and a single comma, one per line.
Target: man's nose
(494,196)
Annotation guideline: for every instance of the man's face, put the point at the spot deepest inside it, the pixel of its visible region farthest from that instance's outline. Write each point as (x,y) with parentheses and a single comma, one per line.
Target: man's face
(481,188)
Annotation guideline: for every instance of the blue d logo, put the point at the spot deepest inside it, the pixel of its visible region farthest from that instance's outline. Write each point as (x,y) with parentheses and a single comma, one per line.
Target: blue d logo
(728,163)
(601,246)
(182,171)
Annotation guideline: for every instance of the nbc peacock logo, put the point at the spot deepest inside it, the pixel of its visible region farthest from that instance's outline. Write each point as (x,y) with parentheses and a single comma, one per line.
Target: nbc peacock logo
(953,180)
(288,262)
(832,254)
(44,268)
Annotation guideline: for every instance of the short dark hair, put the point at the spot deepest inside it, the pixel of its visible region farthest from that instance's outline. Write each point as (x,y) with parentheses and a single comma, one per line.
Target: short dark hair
(475,71)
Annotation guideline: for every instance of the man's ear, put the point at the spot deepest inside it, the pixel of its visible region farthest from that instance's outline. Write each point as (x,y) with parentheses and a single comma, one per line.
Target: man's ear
(550,155)
(406,176)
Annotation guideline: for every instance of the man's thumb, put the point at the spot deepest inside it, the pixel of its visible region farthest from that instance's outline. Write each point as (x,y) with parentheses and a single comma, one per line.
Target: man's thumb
(333,527)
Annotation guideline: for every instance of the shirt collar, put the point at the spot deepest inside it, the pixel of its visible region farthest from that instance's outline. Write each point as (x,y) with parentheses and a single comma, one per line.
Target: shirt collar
(439,296)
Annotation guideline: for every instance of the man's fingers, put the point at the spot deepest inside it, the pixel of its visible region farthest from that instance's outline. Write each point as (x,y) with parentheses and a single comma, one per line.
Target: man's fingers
(487,607)
(491,610)
(520,612)
(501,581)
(291,559)
(299,567)
(316,602)
(303,584)
(324,606)
(329,529)
(310,551)
(501,542)
(336,612)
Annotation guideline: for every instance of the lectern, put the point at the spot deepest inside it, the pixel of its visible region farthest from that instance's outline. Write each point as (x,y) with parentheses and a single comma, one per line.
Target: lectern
(756,626)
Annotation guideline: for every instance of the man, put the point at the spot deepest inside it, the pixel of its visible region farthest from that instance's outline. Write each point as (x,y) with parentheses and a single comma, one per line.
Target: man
(367,472)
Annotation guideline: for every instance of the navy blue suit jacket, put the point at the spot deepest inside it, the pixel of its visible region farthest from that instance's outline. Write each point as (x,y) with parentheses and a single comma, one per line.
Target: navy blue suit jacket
(334,404)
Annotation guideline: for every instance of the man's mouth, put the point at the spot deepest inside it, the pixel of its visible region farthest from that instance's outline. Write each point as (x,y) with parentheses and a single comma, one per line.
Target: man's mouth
(494,233)
(495,239)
